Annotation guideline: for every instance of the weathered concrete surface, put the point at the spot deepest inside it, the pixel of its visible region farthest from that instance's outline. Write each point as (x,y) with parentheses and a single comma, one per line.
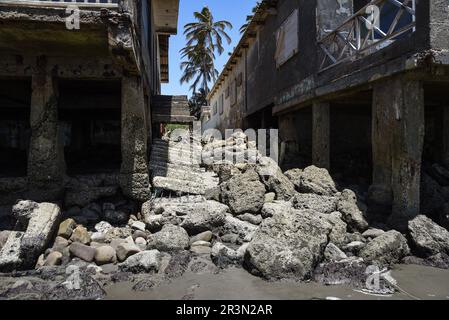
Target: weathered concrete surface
(134,171)
(289,245)
(445,151)
(321,135)
(41,228)
(331,14)
(23,248)
(46,166)
(439,24)
(398,138)
(10,258)
(175,167)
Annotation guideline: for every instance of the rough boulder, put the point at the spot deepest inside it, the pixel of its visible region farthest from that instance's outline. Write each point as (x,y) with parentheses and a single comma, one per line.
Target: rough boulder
(289,245)
(244,193)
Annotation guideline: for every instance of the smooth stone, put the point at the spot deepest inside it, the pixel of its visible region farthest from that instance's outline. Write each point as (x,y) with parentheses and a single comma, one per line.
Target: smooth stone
(203,236)
(139,234)
(125,250)
(98,237)
(138,225)
(53,259)
(105,255)
(201,250)
(81,235)
(82,251)
(201,244)
(141,243)
(66,228)
(60,244)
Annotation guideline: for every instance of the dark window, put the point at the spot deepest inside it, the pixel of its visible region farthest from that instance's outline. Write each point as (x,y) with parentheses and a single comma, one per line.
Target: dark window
(220,104)
(90,119)
(15,132)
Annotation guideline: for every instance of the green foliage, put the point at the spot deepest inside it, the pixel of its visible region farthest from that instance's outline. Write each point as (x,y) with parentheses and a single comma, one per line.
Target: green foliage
(173,126)
(197,101)
(249,18)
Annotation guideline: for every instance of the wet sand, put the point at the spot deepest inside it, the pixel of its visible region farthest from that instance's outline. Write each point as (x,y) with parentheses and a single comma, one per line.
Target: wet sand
(415,282)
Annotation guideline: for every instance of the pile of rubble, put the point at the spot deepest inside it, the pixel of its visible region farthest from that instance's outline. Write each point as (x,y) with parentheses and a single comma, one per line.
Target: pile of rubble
(293,225)
(175,167)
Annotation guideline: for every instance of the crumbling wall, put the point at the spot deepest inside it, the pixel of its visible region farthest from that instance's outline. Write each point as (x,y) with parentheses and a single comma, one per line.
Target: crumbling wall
(89,115)
(134,170)
(46,165)
(439,24)
(330,14)
(15,101)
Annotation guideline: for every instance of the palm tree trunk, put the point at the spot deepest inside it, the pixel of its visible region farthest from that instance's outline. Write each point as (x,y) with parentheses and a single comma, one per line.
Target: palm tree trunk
(205,87)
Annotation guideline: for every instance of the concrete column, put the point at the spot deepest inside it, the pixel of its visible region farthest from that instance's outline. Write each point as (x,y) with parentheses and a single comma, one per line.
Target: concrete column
(398,139)
(46,166)
(321,135)
(134,170)
(287,135)
(445,152)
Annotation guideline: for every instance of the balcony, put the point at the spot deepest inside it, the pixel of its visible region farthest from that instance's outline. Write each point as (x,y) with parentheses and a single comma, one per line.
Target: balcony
(34,27)
(373,28)
(110,4)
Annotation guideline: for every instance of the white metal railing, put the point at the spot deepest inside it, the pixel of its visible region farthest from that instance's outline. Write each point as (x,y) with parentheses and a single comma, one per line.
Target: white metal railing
(63,3)
(375,26)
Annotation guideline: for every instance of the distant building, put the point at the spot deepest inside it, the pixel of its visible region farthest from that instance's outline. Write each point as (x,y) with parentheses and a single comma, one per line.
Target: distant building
(359,87)
(79,101)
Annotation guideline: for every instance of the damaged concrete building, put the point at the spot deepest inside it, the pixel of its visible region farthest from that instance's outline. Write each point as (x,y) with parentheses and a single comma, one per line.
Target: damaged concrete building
(356,86)
(77,92)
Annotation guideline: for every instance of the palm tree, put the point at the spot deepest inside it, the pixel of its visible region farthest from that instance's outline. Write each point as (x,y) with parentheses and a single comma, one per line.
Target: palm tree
(197,101)
(250,17)
(204,38)
(199,68)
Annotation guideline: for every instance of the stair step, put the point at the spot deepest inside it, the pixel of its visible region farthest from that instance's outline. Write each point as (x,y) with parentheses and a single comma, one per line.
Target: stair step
(170,166)
(176,149)
(178,174)
(187,164)
(176,161)
(177,185)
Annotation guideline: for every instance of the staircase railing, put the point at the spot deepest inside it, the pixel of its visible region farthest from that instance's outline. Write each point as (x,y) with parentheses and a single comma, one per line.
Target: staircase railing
(375,26)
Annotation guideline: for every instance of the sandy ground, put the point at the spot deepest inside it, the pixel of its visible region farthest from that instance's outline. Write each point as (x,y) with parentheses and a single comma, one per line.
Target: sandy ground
(414,282)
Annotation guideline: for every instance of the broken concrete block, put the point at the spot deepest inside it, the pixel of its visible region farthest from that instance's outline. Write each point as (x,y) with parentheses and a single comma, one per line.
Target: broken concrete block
(22,212)
(10,258)
(41,228)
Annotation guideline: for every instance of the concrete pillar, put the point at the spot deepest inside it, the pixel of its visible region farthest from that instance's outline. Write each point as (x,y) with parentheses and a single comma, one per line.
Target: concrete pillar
(398,139)
(321,135)
(46,168)
(287,136)
(445,152)
(134,170)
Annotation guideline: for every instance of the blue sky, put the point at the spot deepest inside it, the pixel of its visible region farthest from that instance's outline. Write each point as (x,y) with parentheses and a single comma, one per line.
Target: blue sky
(235,11)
